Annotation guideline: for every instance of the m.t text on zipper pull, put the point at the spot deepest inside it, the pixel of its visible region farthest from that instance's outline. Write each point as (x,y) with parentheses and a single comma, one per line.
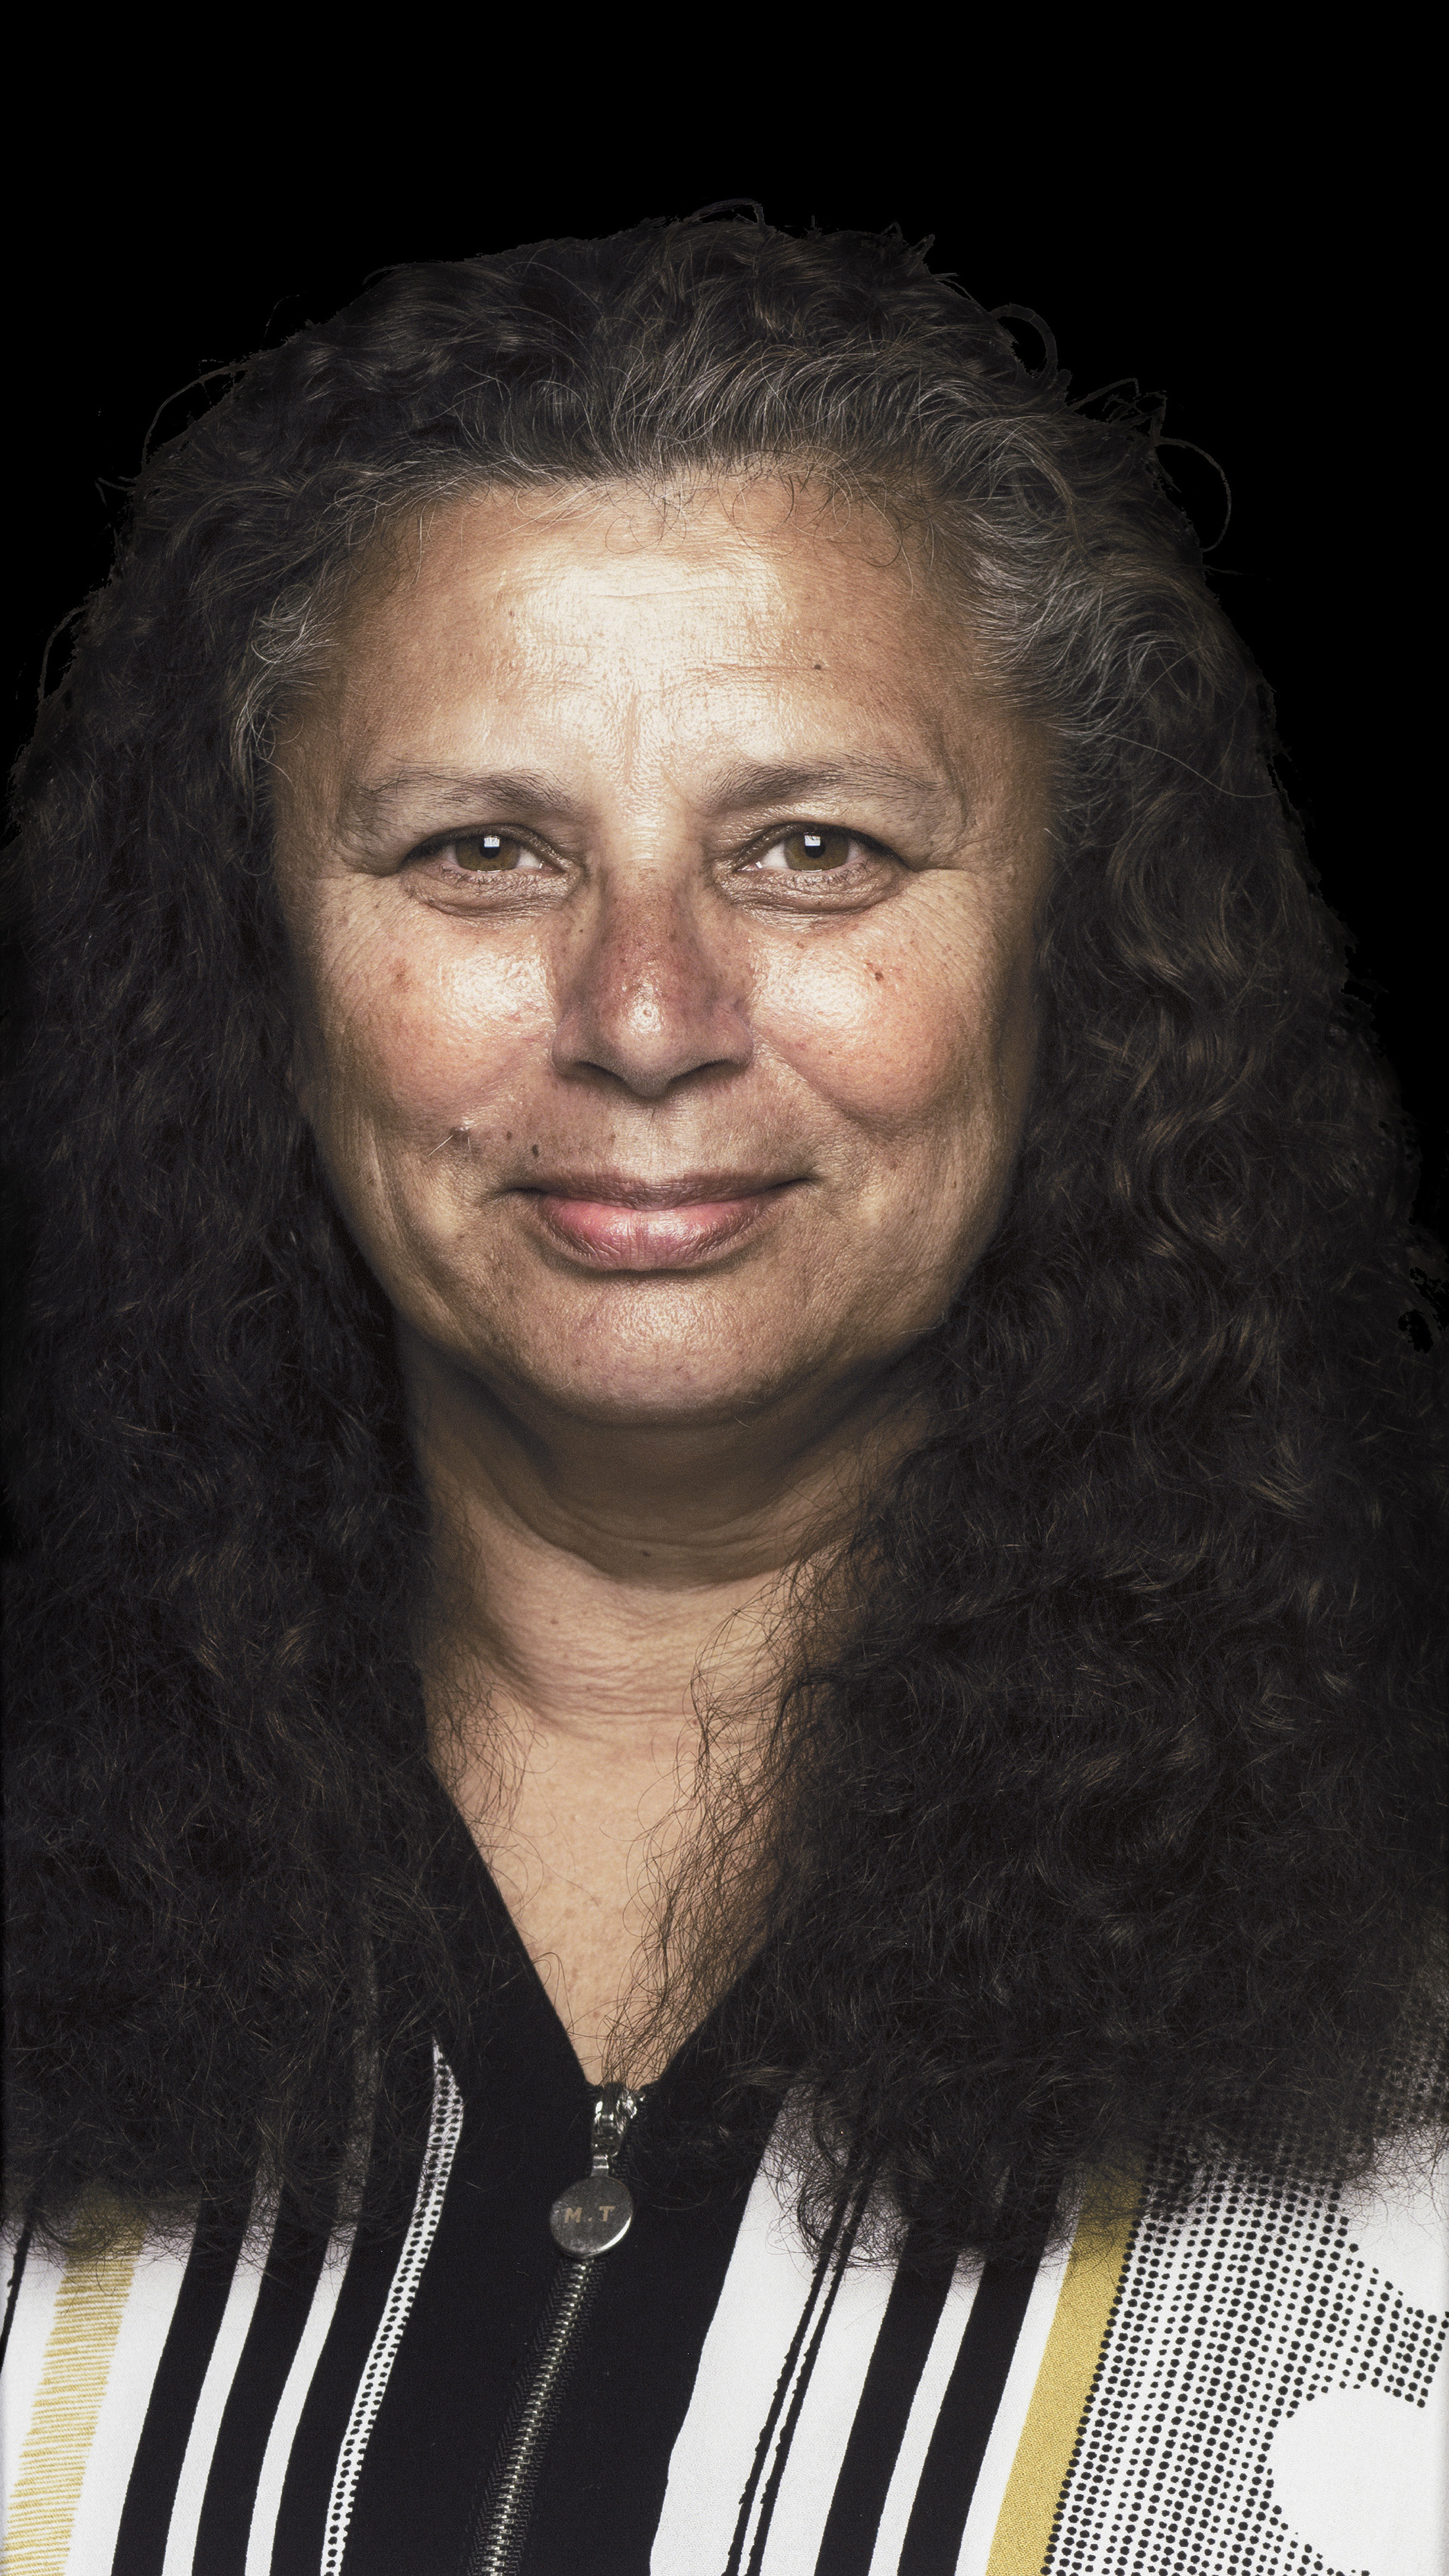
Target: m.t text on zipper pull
(593,2215)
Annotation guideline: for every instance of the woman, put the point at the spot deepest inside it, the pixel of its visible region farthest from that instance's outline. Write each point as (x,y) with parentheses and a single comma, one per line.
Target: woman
(725,1807)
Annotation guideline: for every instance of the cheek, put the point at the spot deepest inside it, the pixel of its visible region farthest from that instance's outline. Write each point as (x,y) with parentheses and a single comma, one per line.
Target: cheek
(896,1041)
(418,1044)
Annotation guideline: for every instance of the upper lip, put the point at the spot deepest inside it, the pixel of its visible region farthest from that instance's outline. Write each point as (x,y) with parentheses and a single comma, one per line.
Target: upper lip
(617,1189)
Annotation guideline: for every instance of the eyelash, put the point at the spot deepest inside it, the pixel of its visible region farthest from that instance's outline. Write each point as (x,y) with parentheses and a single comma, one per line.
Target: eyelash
(866,850)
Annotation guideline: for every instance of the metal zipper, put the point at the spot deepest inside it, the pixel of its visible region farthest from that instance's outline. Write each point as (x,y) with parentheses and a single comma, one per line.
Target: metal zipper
(586,2221)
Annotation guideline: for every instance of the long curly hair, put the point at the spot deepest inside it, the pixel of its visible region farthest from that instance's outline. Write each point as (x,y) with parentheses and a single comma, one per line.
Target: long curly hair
(1107,1802)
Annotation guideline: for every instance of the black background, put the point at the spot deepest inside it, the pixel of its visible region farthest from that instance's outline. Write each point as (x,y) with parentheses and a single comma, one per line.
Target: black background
(1242,265)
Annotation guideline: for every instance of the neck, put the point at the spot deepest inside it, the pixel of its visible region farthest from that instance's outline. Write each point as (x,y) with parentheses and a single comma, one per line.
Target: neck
(589,1571)
(600,1586)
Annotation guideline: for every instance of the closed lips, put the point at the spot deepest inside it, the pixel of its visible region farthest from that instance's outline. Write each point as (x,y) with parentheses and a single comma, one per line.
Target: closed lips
(601,1189)
(663,1226)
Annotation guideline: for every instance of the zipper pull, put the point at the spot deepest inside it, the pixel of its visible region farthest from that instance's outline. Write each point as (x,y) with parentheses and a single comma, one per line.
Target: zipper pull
(593,2215)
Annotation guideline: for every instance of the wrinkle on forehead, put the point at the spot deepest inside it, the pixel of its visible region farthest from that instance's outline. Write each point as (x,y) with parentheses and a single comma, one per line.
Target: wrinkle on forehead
(629,517)
(507,579)
(486,562)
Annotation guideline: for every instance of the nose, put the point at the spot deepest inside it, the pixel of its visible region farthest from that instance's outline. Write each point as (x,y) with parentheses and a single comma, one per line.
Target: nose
(648,998)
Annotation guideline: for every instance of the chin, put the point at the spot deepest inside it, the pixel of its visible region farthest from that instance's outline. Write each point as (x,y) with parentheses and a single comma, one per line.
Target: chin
(668,1389)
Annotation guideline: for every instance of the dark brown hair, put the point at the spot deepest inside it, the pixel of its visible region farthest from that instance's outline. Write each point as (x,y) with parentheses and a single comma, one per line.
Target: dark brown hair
(1118,1806)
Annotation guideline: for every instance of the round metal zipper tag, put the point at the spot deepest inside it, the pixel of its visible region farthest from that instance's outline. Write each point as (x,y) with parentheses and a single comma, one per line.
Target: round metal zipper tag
(592,2216)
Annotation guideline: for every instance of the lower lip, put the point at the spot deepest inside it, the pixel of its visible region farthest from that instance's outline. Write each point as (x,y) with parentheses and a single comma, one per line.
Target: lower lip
(611,1237)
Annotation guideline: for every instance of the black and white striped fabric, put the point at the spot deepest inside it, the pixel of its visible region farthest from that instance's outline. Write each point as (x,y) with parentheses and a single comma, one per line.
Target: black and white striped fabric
(1257,2386)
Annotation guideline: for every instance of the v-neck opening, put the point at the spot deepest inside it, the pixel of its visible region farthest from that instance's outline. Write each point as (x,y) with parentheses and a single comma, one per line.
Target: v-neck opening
(488,1930)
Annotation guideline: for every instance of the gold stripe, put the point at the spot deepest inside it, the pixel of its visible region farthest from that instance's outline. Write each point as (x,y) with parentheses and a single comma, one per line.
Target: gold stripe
(1064,2382)
(89,2306)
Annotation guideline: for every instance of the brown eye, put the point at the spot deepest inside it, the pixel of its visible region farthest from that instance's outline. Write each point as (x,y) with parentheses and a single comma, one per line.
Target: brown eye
(490,851)
(824,849)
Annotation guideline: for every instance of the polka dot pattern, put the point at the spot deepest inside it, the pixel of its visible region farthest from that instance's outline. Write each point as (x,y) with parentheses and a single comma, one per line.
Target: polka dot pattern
(1229,2319)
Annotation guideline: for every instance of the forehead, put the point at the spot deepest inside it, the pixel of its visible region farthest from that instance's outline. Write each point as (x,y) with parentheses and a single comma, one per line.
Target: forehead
(763,536)
(678,601)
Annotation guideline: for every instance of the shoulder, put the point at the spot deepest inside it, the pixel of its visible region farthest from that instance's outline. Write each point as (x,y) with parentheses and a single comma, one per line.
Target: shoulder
(1278,2351)
(83,2335)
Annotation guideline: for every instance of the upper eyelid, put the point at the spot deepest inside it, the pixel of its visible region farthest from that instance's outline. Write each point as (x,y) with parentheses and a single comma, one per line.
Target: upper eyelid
(758,846)
(778,832)
(434,844)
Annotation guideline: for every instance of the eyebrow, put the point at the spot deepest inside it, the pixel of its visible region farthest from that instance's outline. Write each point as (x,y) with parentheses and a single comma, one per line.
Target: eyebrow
(747,783)
(368,810)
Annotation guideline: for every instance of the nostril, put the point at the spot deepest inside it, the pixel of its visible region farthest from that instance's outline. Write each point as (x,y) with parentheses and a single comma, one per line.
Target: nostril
(642,1080)
(652,1029)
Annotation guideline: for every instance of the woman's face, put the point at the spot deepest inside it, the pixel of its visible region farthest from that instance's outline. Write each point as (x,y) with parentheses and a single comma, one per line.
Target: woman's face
(661,888)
